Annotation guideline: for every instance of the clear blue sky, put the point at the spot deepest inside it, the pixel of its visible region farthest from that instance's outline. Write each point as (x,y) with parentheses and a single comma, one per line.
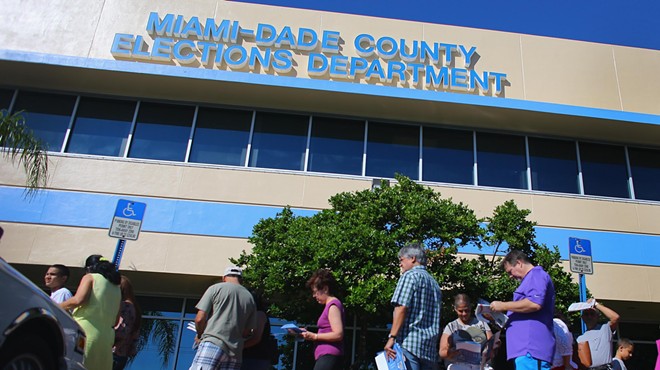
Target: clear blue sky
(630,23)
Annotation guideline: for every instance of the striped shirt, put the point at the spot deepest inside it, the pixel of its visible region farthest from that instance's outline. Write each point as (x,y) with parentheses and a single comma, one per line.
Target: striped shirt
(420,293)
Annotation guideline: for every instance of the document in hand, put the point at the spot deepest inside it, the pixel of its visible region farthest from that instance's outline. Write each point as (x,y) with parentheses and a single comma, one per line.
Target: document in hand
(292,327)
(579,306)
(484,313)
(385,363)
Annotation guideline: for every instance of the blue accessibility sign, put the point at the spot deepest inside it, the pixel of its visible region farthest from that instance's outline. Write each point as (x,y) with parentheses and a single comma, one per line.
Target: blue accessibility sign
(127,221)
(130,209)
(579,252)
(579,246)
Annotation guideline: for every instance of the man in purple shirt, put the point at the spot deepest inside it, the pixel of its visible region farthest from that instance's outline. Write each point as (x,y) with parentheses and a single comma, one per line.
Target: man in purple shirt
(530,339)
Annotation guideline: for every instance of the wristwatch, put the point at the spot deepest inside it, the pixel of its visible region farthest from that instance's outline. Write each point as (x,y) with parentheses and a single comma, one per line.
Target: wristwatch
(391,336)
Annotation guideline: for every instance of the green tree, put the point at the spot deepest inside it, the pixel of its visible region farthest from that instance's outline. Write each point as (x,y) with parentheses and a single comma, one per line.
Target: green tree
(22,147)
(358,238)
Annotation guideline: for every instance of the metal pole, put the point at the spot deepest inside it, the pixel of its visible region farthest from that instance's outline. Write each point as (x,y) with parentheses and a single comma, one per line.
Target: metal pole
(295,354)
(354,339)
(583,297)
(119,251)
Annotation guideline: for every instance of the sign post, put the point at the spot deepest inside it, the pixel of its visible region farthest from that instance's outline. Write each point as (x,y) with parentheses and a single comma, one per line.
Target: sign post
(579,251)
(126,224)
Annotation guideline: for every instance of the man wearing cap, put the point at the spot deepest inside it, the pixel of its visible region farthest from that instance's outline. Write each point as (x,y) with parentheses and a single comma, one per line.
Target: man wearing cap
(598,335)
(56,277)
(226,316)
(416,320)
(530,338)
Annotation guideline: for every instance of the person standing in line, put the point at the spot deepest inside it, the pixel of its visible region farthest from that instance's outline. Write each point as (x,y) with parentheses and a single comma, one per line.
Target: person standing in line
(456,359)
(96,304)
(329,341)
(258,351)
(530,339)
(226,317)
(127,330)
(55,279)
(417,301)
(624,352)
(599,336)
(562,359)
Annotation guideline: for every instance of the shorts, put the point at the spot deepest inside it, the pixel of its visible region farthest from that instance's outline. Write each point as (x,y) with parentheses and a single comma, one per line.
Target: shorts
(528,362)
(211,357)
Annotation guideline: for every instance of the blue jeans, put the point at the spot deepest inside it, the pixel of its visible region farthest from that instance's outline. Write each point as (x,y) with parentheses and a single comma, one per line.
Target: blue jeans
(415,363)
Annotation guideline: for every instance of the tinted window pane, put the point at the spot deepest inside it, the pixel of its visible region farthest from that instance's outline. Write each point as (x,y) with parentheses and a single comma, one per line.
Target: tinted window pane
(160,306)
(161,338)
(448,156)
(221,136)
(645,168)
(48,115)
(185,351)
(101,127)
(501,161)
(162,132)
(5,98)
(191,310)
(554,165)
(604,170)
(279,141)
(393,149)
(336,146)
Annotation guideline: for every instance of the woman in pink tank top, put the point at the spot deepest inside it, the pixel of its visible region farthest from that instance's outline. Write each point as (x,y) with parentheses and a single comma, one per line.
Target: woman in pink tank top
(329,341)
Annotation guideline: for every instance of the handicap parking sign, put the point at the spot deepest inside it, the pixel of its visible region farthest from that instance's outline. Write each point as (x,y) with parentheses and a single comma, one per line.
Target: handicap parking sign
(127,220)
(579,251)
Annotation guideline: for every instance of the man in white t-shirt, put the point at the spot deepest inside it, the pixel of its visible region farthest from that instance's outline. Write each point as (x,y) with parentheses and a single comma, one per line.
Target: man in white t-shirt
(55,278)
(599,336)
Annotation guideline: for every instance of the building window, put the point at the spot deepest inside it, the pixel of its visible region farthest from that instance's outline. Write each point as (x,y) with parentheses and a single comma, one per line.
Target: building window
(393,149)
(5,98)
(336,146)
(101,127)
(221,136)
(645,168)
(448,156)
(47,115)
(162,132)
(501,161)
(604,170)
(554,165)
(158,350)
(279,141)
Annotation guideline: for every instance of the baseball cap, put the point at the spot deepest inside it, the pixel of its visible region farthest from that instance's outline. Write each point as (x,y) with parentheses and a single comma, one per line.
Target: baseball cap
(472,333)
(233,270)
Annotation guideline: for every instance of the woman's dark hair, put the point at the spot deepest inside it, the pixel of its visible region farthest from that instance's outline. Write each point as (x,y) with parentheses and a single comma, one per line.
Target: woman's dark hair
(96,264)
(322,278)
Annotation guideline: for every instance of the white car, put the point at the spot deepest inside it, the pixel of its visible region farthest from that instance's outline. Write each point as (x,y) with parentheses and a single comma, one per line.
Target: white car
(35,333)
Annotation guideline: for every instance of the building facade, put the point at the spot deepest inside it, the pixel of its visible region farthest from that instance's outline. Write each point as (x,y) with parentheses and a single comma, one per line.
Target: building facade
(217,114)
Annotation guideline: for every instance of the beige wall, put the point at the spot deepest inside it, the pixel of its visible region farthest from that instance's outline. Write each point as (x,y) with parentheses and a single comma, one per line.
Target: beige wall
(538,68)
(312,191)
(189,255)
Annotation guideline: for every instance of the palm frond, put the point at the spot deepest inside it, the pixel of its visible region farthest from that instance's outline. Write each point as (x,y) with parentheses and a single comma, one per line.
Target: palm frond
(19,144)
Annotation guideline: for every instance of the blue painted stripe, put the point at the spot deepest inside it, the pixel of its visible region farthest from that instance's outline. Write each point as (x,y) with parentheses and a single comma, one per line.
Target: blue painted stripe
(78,209)
(324,85)
(65,208)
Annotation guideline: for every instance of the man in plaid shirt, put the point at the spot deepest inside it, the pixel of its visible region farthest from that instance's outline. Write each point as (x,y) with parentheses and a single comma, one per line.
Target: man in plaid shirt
(416,320)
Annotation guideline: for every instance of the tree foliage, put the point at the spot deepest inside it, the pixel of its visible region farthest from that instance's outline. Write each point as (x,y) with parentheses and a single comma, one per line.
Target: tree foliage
(359,236)
(20,146)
